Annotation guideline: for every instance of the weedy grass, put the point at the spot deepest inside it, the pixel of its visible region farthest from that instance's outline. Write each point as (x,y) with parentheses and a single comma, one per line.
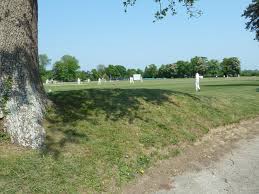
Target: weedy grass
(101,137)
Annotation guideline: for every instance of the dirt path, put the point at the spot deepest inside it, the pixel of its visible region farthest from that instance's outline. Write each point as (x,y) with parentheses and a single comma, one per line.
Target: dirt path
(237,172)
(226,160)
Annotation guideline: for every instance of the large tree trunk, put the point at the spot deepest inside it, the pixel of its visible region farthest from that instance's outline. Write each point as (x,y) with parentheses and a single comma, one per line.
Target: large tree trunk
(21,91)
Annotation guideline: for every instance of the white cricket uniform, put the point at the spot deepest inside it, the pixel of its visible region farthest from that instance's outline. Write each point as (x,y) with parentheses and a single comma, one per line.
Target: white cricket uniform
(197,82)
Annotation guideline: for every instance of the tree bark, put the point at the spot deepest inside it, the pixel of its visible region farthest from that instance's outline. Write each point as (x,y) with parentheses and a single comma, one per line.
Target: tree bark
(22,95)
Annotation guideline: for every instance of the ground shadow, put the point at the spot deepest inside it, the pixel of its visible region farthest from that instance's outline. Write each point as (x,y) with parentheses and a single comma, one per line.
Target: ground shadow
(53,145)
(88,104)
(114,103)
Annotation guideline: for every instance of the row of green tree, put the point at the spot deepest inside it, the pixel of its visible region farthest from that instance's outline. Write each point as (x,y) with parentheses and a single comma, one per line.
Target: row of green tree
(205,67)
(68,69)
(250,73)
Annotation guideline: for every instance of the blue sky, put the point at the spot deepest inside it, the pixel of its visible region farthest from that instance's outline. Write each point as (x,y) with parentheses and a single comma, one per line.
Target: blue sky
(99,32)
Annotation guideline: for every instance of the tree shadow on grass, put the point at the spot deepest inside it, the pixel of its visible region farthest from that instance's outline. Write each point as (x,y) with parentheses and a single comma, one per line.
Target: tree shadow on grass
(114,103)
(54,145)
(87,105)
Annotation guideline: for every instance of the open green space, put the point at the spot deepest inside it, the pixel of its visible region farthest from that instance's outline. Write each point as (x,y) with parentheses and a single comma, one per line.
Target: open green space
(101,137)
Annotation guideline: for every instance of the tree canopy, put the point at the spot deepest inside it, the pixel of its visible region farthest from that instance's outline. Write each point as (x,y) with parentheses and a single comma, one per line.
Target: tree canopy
(151,71)
(44,61)
(231,66)
(166,7)
(66,69)
(252,13)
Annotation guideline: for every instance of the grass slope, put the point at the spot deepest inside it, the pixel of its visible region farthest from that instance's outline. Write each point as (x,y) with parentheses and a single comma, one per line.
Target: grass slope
(100,137)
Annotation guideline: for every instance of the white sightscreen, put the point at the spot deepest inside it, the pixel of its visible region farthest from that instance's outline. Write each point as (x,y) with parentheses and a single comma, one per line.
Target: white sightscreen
(137,77)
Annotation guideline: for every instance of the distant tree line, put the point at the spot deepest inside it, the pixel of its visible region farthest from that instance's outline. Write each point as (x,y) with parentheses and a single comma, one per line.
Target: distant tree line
(250,73)
(68,69)
(205,67)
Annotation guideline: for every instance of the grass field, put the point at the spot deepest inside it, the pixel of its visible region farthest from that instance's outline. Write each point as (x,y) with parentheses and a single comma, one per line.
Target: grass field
(101,137)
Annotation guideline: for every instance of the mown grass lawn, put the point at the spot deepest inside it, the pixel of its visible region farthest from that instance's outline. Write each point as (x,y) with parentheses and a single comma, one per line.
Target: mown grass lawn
(101,137)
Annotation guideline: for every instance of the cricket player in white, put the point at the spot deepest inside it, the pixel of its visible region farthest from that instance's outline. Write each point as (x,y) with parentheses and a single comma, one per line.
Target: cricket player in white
(197,82)
(99,81)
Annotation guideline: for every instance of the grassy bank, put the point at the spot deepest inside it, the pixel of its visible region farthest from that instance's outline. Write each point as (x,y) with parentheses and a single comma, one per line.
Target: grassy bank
(100,137)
